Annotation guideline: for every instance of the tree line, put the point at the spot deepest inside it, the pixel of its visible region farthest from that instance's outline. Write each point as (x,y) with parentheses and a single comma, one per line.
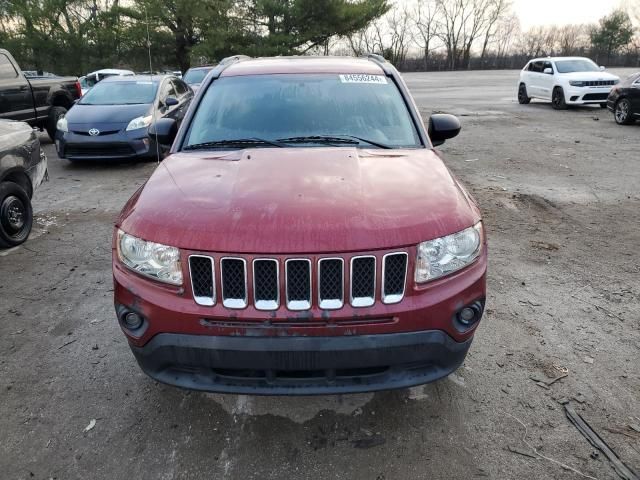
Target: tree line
(77,36)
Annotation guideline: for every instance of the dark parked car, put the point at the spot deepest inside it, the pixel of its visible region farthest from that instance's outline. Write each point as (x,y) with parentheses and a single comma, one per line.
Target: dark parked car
(23,166)
(624,100)
(111,120)
(39,101)
(303,237)
(194,76)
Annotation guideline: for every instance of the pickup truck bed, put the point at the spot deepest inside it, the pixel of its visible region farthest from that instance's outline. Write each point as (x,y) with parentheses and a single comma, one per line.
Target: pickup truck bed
(39,101)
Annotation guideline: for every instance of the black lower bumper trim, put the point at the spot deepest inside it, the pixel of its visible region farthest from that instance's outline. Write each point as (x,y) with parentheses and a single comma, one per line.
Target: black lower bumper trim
(300,365)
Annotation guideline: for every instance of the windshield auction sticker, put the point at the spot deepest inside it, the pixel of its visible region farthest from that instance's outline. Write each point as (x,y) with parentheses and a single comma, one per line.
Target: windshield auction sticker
(363,78)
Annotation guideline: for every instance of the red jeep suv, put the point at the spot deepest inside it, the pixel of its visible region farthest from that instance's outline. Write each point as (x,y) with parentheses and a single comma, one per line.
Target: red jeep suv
(302,237)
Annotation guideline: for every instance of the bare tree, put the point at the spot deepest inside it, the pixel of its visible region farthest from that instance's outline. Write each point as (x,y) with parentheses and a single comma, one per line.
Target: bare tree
(426,25)
(495,11)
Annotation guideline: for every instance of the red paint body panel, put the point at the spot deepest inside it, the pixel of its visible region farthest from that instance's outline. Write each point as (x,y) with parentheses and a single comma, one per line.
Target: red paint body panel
(299,200)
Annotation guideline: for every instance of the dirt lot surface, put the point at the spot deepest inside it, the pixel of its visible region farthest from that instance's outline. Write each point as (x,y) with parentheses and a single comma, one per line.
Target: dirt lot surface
(560,195)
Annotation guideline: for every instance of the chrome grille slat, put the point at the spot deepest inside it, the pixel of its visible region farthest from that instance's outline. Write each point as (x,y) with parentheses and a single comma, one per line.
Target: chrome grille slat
(363,281)
(394,277)
(266,284)
(233,280)
(331,283)
(202,273)
(298,283)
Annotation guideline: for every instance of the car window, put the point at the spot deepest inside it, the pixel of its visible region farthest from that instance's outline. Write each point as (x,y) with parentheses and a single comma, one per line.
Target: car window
(180,86)
(195,75)
(301,105)
(167,90)
(7,70)
(120,93)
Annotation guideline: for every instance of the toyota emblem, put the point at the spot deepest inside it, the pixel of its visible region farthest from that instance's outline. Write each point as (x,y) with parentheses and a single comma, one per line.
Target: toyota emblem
(94,131)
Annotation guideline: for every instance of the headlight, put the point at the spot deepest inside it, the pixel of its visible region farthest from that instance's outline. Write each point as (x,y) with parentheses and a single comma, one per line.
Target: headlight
(139,122)
(442,256)
(62,125)
(154,260)
(576,83)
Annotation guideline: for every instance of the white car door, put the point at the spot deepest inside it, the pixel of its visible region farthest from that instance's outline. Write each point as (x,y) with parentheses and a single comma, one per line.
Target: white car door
(547,80)
(534,79)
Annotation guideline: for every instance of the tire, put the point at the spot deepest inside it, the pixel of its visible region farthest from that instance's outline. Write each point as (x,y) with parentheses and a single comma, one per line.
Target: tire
(622,112)
(523,98)
(16,215)
(557,99)
(54,115)
(603,105)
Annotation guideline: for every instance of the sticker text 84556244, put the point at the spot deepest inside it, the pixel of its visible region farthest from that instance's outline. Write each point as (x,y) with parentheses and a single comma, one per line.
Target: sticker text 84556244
(363,78)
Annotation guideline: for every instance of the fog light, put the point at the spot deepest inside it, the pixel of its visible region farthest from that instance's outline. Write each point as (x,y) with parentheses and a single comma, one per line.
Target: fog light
(132,321)
(467,315)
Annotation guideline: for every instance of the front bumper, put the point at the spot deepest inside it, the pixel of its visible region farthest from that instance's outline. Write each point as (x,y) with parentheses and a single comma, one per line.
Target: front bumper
(117,146)
(300,365)
(587,95)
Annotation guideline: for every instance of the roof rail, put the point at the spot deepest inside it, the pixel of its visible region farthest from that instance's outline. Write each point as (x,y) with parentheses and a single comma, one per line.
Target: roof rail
(376,57)
(380,61)
(226,62)
(233,59)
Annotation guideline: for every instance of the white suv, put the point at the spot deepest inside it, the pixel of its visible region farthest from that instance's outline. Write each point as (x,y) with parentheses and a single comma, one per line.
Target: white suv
(565,81)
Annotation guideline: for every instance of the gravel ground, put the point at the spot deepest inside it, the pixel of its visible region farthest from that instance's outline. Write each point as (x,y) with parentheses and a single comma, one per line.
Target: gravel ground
(559,192)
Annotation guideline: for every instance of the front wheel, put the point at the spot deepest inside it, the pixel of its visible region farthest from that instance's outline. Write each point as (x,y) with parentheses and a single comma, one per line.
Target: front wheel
(55,114)
(523,98)
(16,215)
(622,112)
(603,105)
(557,99)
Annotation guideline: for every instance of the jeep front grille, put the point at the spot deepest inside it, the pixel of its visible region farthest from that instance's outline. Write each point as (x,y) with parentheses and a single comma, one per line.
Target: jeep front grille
(202,274)
(306,281)
(394,276)
(266,284)
(233,273)
(331,283)
(298,275)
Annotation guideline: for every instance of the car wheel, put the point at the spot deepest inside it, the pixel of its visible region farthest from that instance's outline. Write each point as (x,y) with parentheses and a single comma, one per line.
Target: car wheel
(622,112)
(52,122)
(603,105)
(523,98)
(557,99)
(16,215)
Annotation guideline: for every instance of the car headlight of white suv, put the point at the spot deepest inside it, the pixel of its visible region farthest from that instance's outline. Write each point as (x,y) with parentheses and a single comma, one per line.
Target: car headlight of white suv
(442,256)
(154,260)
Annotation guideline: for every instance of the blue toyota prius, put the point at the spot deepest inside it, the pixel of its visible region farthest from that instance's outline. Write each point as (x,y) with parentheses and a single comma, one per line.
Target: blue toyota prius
(111,121)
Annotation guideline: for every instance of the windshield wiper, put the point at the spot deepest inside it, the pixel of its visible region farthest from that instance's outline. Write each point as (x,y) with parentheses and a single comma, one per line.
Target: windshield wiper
(238,142)
(339,138)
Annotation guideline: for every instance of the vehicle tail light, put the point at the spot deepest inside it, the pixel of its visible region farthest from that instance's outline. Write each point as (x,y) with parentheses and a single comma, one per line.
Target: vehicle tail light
(78,89)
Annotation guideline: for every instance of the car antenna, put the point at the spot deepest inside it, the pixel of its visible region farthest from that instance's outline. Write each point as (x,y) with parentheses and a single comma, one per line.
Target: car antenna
(146,16)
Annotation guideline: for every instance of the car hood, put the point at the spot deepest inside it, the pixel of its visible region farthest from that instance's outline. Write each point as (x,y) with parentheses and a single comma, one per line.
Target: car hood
(299,200)
(96,115)
(589,76)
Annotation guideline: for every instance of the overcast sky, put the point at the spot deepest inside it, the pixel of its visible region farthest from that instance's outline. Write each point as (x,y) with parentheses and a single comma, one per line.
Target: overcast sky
(560,12)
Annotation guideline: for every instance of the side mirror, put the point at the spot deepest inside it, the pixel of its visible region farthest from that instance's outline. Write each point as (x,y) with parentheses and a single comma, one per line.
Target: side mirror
(171,102)
(164,131)
(443,127)
(602,68)
(548,71)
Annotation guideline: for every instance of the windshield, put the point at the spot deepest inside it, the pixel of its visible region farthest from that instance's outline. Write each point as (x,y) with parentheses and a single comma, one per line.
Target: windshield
(196,75)
(272,107)
(120,93)
(580,65)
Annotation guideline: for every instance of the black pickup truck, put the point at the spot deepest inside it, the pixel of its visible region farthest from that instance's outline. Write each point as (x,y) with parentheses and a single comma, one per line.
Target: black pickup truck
(39,101)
